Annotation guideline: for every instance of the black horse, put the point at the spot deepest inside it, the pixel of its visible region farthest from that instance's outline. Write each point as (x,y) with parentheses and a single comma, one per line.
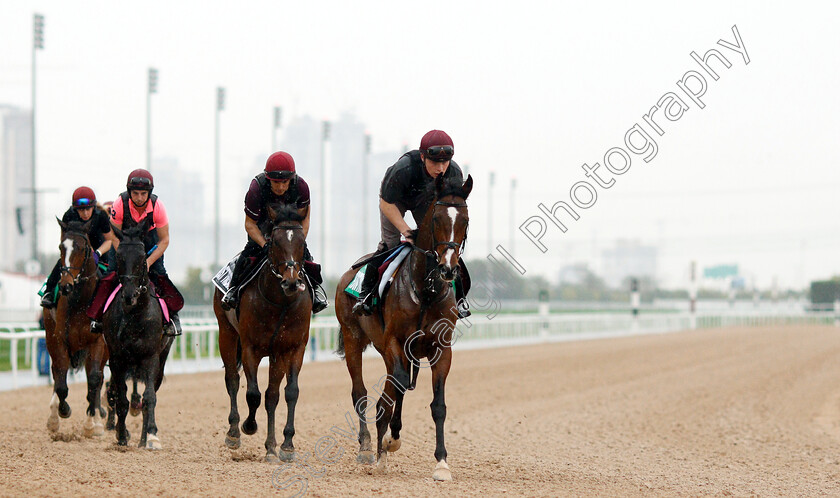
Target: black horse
(133,328)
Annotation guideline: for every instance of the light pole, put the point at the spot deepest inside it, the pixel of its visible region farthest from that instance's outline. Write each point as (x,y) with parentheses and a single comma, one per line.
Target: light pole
(365,167)
(325,138)
(37,43)
(278,116)
(220,106)
(512,212)
(152,88)
(490,213)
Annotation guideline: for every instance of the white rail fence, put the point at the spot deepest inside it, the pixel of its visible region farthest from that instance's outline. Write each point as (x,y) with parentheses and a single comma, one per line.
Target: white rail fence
(197,349)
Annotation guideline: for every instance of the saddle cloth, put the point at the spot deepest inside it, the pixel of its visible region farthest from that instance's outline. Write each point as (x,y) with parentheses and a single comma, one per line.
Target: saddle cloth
(386,273)
(164,308)
(222,278)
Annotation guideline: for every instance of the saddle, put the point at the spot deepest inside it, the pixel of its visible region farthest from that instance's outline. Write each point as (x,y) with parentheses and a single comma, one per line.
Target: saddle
(311,271)
(387,263)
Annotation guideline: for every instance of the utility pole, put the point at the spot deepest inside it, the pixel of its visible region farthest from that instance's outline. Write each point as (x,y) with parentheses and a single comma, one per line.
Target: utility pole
(37,44)
(365,181)
(152,88)
(220,106)
(325,138)
(278,117)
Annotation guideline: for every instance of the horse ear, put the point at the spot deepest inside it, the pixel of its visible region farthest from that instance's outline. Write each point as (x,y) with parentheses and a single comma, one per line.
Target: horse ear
(117,232)
(144,225)
(467,187)
(61,224)
(272,213)
(438,184)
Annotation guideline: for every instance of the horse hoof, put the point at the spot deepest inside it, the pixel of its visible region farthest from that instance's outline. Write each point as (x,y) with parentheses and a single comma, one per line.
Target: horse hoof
(110,425)
(271,458)
(286,456)
(366,458)
(135,410)
(64,410)
(232,442)
(153,442)
(442,472)
(382,464)
(98,430)
(390,444)
(249,428)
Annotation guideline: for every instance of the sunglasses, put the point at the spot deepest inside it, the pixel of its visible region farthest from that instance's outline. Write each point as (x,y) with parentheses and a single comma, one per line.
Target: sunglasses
(84,203)
(139,181)
(279,175)
(440,152)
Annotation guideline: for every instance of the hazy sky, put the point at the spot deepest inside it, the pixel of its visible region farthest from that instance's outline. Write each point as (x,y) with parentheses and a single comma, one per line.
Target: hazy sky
(527,89)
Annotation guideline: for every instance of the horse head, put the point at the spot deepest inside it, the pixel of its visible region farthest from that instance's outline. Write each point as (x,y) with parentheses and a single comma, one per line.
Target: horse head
(449,221)
(74,252)
(131,262)
(285,244)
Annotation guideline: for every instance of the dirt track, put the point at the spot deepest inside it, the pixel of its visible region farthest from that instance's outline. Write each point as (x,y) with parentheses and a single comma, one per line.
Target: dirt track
(736,411)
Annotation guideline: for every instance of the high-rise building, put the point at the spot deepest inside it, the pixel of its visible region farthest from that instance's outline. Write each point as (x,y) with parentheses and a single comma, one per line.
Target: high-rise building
(629,258)
(15,183)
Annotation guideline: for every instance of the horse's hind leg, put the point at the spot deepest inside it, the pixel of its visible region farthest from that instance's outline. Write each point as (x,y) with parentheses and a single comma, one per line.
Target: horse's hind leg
(229,349)
(293,363)
(353,348)
(136,406)
(276,369)
(93,367)
(250,363)
(440,370)
(396,382)
(110,423)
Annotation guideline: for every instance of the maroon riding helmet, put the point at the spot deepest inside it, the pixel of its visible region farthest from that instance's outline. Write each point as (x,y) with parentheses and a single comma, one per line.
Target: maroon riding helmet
(140,179)
(280,166)
(437,146)
(83,197)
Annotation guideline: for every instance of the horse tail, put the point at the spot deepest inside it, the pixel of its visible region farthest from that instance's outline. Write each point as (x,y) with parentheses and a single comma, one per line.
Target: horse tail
(339,350)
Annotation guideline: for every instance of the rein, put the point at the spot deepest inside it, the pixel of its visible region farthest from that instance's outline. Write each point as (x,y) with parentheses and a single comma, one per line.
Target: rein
(284,265)
(79,278)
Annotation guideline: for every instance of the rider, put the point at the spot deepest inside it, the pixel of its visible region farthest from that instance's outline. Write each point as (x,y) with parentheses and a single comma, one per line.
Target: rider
(278,183)
(82,209)
(407,187)
(129,210)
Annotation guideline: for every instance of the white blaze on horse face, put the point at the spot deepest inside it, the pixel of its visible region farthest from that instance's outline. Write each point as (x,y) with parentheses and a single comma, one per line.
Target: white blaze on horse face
(289,234)
(68,252)
(453,214)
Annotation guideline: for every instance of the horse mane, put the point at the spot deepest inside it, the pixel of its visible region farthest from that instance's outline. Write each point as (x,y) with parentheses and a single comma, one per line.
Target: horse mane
(448,186)
(77,227)
(280,212)
(135,232)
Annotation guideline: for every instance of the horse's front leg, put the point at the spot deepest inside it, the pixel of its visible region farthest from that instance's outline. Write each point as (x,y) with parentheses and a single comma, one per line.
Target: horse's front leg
(136,406)
(228,346)
(149,438)
(93,367)
(440,370)
(293,364)
(118,393)
(396,382)
(272,397)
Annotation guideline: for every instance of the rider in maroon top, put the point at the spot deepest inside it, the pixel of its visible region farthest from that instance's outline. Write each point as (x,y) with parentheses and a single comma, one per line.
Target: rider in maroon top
(278,183)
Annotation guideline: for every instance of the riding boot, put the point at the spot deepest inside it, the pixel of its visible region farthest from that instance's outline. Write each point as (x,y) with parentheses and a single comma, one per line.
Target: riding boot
(95,326)
(173,326)
(461,300)
(231,298)
(364,303)
(48,300)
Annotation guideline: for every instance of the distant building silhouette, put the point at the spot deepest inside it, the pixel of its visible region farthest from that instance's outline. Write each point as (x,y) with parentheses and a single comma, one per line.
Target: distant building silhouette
(628,259)
(15,180)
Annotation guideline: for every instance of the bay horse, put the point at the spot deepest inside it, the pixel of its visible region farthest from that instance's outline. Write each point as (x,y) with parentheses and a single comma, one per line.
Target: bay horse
(273,321)
(133,330)
(68,336)
(415,321)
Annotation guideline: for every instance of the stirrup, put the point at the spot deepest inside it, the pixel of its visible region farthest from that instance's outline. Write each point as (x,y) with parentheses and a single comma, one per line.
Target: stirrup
(463,309)
(170,330)
(362,306)
(47,301)
(229,301)
(95,327)
(319,301)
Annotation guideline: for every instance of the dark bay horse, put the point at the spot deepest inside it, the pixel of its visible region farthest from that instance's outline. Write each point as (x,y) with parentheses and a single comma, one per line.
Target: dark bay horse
(273,321)
(416,321)
(133,330)
(69,340)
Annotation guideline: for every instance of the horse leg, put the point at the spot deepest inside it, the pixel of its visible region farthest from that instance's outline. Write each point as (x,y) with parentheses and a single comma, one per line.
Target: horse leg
(93,367)
(250,363)
(60,363)
(228,348)
(136,406)
(149,438)
(396,379)
(118,391)
(109,401)
(353,357)
(272,397)
(292,363)
(392,442)
(440,370)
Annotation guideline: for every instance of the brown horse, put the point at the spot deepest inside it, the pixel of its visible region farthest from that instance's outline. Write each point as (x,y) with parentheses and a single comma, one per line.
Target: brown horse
(415,321)
(69,340)
(272,320)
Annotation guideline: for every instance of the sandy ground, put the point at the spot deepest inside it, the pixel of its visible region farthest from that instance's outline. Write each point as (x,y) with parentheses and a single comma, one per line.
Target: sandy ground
(722,412)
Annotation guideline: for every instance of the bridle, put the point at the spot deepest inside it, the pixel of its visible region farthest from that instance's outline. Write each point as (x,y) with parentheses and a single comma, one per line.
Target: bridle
(459,248)
(66,269)
(284,265)
(140,279)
